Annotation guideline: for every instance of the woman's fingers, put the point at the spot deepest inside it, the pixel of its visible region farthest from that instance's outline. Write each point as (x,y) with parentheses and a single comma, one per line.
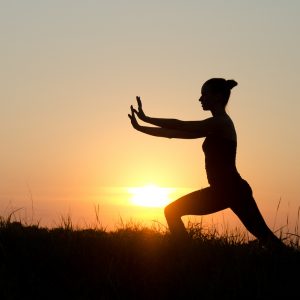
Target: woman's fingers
(140,113)
(139,102)
(132,118)
(133,110)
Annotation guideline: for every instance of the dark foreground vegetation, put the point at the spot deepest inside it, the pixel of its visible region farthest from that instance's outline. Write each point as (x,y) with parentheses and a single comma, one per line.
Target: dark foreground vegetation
(139,263)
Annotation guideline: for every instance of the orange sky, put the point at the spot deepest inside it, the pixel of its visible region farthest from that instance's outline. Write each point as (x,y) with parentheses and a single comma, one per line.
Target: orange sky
(70,70)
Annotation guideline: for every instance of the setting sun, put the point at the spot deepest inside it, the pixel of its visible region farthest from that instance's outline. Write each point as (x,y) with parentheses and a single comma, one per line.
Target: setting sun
(150,195)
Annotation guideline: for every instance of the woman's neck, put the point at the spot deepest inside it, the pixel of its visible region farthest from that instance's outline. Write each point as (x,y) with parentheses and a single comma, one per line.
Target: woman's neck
(218,111)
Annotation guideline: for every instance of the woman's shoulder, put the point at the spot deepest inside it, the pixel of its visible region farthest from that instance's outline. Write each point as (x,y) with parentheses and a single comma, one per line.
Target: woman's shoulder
(226,127)
(223,118)
(219,120)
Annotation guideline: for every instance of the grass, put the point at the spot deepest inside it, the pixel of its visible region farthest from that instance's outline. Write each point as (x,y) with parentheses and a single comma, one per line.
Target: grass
(138,262)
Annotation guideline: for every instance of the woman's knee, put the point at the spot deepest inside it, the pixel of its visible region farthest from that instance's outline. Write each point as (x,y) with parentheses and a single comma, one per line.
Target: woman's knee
(170,211)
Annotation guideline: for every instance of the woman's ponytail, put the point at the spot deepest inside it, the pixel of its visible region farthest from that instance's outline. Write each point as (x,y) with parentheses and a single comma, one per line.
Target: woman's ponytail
(231,83)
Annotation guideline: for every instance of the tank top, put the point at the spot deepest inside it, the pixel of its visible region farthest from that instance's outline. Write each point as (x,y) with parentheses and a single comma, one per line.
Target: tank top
(220,157)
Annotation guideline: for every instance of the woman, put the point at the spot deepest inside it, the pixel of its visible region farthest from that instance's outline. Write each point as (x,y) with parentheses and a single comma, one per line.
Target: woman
(227,189)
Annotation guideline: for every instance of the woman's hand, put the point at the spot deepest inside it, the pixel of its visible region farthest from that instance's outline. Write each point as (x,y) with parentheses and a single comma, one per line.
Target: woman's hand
(132,118)
(140,113)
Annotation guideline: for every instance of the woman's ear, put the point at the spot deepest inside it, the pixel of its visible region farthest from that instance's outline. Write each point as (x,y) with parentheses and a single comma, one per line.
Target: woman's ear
(219,97)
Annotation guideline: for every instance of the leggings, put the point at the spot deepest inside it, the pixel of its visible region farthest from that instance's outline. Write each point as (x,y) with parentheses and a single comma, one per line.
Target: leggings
(238,197)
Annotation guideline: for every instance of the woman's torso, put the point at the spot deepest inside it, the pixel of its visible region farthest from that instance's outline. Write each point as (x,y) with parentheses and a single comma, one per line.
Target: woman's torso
(220,155)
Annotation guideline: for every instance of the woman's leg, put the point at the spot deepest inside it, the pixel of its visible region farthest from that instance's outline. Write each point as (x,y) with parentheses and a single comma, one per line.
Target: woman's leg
(246,209)
(201,202)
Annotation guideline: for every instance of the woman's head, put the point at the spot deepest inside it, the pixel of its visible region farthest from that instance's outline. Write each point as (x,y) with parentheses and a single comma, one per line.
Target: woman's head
(217,90)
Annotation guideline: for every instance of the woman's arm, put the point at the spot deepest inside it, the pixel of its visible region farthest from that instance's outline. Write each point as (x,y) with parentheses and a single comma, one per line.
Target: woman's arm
(168,133)
(162,132)
(205,126)
(202,128)
(165,123)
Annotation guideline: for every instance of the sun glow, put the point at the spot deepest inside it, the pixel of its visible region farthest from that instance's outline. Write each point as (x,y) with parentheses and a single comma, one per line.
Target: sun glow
(150,195)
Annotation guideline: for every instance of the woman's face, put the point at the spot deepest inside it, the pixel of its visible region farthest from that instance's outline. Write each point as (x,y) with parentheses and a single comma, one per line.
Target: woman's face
(207,98)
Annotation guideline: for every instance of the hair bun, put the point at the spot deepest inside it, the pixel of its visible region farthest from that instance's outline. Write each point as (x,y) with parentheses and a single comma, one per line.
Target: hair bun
(231,83)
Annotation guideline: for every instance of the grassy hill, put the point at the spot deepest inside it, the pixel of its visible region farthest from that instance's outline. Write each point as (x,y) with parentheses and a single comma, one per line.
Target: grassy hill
(135,262)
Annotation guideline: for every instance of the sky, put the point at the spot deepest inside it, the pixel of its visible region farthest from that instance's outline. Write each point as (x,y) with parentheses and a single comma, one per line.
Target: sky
(71,69)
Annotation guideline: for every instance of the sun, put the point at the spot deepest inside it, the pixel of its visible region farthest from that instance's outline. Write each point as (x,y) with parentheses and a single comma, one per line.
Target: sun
(150,195)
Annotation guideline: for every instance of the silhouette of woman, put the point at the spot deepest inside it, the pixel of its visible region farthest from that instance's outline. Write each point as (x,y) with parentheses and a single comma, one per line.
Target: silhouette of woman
(227,189)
